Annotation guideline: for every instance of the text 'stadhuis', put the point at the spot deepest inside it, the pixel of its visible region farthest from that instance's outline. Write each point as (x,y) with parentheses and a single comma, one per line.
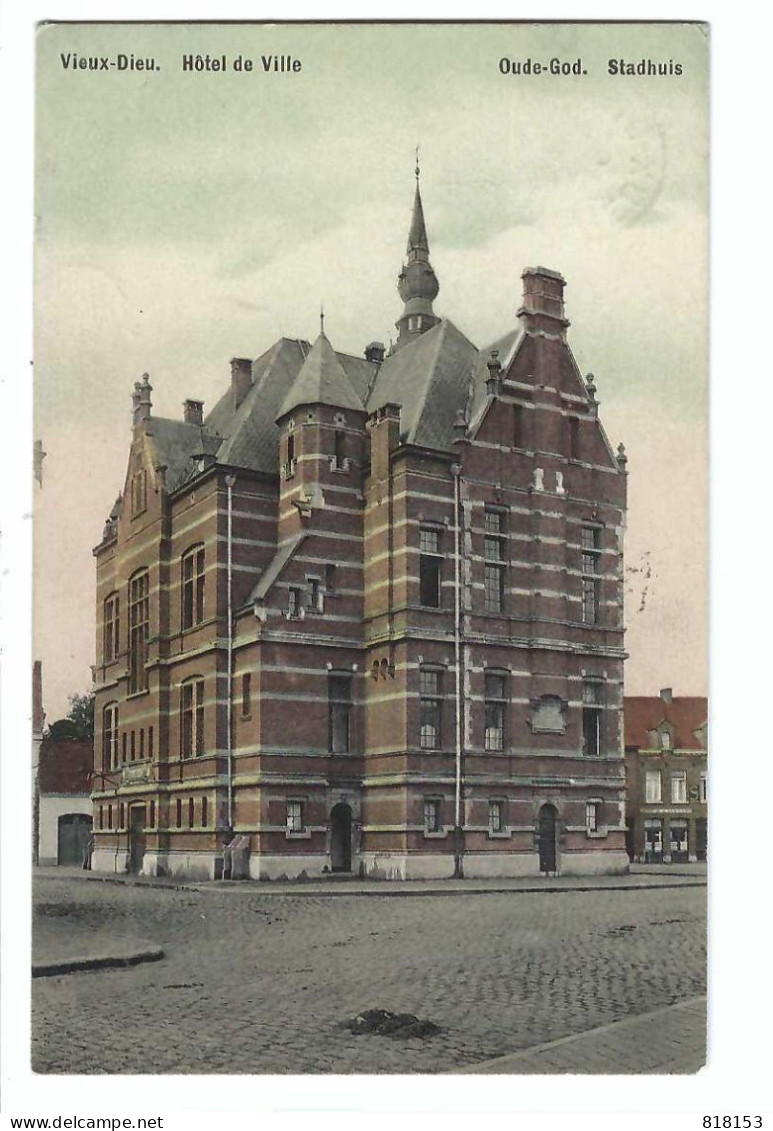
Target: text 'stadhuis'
(366,615)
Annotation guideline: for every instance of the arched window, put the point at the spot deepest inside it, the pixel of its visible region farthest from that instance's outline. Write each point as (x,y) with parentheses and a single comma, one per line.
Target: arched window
(110,736)
(192,587)
(139,620)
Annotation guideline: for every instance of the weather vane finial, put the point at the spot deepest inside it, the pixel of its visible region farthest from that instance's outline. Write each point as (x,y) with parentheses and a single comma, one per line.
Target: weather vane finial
(418,170)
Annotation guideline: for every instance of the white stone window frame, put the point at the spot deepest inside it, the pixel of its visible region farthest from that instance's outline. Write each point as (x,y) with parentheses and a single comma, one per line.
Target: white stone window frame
(600,831)
(504,831)
(678,787)
(652,777)
(437,831)
(301,830)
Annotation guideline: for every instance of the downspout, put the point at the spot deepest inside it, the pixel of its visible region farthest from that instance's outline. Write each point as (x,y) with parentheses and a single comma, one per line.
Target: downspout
(456,471)
(230,480)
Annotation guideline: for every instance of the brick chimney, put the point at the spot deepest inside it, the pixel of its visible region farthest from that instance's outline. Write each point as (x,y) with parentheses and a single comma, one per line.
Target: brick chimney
(384,428)
(374,352)
(193,412)
(666,694)
(543,301)
(241,379)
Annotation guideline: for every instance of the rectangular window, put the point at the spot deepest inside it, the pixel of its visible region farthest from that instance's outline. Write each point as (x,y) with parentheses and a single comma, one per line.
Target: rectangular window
(110,736)
(591,718)
(123,747)
(679,787)
(496,821)
(652,793)
(591,567)
(330,578)
(110,816)
(110,643)
(179,812)
(150,742)
(120,815)
(192,570)
(339,449)
(430,703)
(133,745)
(495,554)
(430,567)
(142,743)
(288,467)
(152,814)
(494,710)
(294,595)
(315,595)
(339,697)
(591,816)
(139,618)
(204,812)
(703,794)
(246,694)
(432,816)
(192,718)
(191,808)
(294,819)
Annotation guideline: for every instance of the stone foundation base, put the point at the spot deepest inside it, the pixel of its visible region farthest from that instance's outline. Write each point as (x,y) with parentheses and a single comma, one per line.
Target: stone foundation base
(291,867)
(107,860)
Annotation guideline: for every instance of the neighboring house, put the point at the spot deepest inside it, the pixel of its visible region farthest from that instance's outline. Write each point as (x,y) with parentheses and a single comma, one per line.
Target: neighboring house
(366,615)
(64,806)
(666,757)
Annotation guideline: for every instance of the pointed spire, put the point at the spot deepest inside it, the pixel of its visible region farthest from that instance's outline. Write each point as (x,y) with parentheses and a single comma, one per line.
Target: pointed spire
(321,380)
(417,283)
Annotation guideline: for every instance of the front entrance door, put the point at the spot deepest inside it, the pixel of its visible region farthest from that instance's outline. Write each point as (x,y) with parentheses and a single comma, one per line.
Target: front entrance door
(341,838)
(136,838)
(547,838)
(73,833)
(653,841)
(678,842)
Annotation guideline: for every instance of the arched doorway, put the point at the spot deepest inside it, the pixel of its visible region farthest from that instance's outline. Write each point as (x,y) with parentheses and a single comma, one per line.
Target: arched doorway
(341,838)
(547,838)
(73,833)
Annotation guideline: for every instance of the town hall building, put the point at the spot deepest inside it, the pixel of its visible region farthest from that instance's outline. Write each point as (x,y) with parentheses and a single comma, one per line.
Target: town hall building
(365,615)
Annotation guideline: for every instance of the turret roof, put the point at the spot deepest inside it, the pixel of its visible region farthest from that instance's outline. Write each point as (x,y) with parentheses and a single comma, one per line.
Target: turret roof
(321,380)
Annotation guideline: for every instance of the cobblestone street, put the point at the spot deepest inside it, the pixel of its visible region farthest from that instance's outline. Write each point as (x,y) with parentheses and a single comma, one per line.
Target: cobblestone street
(259,983)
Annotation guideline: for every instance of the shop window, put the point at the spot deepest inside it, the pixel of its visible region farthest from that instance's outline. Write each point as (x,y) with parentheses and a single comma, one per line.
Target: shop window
(430,567)
(495,709)
(110,628)
(192,582)
(339,694)
(192,718)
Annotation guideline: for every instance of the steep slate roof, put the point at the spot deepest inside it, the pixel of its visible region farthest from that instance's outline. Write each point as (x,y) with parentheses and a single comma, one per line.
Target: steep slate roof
(321,380)
(174,444)
(430,378)
(507,346)
(686,713)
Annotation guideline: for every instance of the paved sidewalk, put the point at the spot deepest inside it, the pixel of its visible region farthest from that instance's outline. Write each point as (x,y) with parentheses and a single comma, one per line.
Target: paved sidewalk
(346,886)
(668,1041)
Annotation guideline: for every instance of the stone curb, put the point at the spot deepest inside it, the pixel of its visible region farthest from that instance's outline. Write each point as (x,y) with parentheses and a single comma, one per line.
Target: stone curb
(378,889)
(504,1065)
(96,962)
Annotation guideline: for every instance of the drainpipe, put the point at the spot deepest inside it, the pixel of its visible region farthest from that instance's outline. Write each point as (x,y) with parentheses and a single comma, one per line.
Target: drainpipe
(456,471)
(230,480)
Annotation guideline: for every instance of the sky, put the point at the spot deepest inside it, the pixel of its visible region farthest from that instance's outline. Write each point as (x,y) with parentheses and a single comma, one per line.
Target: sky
(183,218)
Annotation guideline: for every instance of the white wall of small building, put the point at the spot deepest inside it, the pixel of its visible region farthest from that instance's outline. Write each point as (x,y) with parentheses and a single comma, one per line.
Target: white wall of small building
(52,807)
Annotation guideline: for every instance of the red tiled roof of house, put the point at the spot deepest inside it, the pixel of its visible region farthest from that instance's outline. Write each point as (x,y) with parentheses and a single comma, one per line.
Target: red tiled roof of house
(686,713)
(65,766)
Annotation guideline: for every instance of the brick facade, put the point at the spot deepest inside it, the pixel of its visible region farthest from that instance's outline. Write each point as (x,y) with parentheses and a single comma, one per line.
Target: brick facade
(369,613)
